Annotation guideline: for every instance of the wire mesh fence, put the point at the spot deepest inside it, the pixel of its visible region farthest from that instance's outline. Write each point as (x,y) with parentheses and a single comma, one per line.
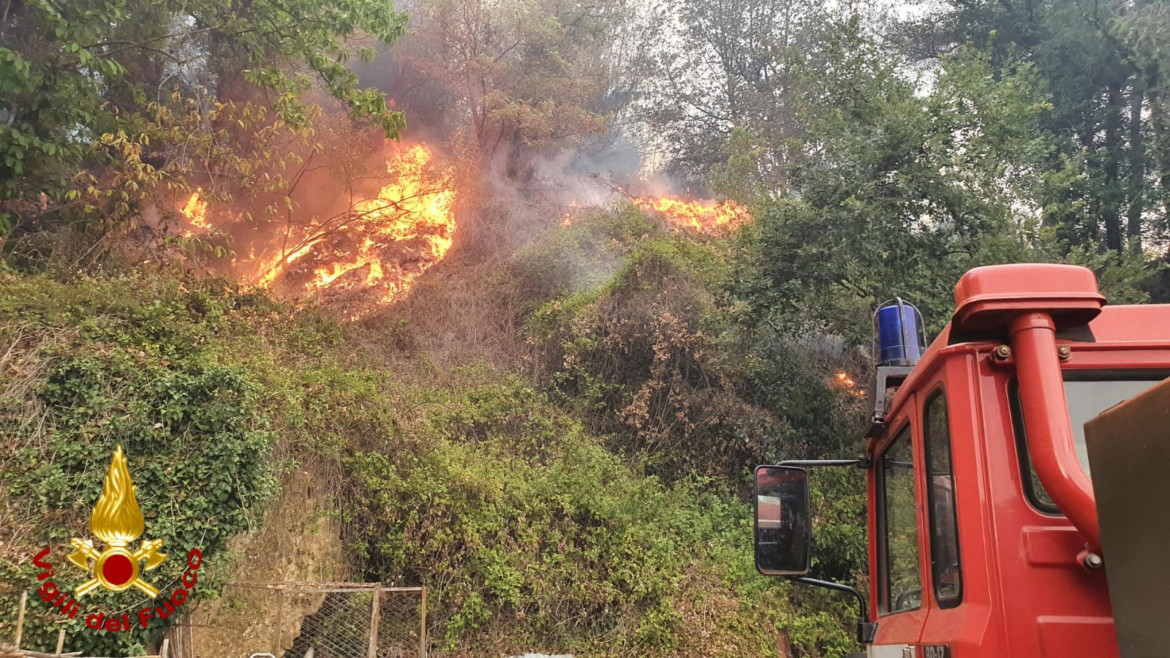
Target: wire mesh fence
(308,620)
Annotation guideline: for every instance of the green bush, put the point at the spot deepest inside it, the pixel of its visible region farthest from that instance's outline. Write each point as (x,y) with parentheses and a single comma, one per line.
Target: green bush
(536,532)
(636,353)
(520,514)
(124,362)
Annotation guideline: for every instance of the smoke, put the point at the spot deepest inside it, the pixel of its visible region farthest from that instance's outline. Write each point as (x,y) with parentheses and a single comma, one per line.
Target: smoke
(507,194)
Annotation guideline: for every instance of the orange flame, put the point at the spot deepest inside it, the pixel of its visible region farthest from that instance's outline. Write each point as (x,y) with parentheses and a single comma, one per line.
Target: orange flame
(195,212)
(117,519)
(371,252)
(567,218)
(385,243)
(847,382)
(700,216)
(417,206)
(271,271)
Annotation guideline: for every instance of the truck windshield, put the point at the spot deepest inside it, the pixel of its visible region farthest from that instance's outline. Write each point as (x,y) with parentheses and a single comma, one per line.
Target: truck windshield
(1088,393)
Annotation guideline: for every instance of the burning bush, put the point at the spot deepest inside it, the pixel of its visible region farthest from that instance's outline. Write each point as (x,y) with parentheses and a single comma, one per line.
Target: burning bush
(700,216)
(367,254)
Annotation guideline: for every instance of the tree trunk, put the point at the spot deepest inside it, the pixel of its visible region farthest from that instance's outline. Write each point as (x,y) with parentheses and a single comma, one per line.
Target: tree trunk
(1160,145)
(1137,165)
(1110,193)
(1091,228)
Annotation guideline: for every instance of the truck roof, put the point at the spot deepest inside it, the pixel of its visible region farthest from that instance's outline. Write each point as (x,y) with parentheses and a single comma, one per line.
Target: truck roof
(1129,325)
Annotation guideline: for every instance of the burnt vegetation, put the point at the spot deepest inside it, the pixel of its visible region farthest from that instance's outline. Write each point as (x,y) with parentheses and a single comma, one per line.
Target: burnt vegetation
(525,289)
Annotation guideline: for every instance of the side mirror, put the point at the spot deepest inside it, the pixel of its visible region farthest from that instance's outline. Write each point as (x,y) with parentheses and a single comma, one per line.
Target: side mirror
(783,521)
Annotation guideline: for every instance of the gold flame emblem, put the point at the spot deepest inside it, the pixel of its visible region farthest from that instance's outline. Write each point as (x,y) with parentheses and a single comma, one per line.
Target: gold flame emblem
(117,521)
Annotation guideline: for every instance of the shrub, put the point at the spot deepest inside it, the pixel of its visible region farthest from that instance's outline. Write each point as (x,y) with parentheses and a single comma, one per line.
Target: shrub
(123,362)
(636,352)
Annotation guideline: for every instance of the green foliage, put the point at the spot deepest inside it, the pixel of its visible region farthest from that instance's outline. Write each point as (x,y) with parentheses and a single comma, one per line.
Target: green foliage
(1103,65)
(796,379)
(579,261)
(525,76)
(536,531)
(103,102)
(840,551)
(96,368)
(526,529)
(904,193)
(516,523)
(719,99)
(638,353)
(650,357)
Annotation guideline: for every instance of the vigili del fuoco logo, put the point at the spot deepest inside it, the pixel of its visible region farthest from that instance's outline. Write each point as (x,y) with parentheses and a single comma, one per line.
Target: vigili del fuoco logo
(118,522)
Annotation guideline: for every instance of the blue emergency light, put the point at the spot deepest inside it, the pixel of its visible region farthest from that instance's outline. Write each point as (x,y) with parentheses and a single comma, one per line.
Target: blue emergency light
(898,327)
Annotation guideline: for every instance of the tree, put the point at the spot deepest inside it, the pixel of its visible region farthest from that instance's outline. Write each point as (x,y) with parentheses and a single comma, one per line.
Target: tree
(722,88)
(102,102)
(525,75)
(1143,30)
(1099,62)
(898,193)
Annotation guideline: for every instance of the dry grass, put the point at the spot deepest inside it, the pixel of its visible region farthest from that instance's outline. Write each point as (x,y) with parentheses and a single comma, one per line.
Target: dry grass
(22,423)
(22,364)
(464,310)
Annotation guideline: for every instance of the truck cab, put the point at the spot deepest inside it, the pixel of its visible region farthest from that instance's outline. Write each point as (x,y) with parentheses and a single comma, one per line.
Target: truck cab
(984,539)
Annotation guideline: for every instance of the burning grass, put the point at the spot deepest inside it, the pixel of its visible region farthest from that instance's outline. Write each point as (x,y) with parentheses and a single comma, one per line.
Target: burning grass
(702,216)
(698,215)
(369,254)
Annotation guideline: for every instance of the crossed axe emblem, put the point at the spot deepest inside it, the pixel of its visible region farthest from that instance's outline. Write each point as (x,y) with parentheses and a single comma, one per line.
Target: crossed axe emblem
(116,568)
(117,520)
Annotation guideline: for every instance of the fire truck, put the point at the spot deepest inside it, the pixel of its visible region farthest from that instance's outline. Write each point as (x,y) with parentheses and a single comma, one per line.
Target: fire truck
(1018,499)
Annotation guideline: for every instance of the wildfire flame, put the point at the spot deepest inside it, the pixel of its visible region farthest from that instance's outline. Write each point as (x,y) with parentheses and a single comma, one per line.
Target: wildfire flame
(382,245)
(375,250)
(567,218)
(117,519)
(273,269)
(701,216)
(413,207)
(195,212)
(847,382)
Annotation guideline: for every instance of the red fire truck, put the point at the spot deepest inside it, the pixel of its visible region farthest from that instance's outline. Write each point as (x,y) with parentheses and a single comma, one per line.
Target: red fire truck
(1018,500)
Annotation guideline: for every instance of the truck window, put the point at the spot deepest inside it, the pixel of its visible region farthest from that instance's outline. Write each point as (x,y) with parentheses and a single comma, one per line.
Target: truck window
(944,529)
(902,582)
(1088,393)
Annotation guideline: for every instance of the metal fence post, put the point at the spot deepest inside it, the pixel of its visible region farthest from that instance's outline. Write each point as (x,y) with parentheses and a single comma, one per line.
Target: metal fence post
(422,635)
(279,615)
(374,619)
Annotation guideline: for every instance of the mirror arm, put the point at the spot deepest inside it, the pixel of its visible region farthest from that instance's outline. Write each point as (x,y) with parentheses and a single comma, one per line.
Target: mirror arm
(866,629)
(864,463)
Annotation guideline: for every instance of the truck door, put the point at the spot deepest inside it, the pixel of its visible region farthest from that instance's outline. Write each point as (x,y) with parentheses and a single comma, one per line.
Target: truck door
(942,634)
(898,503)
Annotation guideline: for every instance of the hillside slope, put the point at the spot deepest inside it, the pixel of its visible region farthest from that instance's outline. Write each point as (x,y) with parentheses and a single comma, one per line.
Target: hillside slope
(444,457)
